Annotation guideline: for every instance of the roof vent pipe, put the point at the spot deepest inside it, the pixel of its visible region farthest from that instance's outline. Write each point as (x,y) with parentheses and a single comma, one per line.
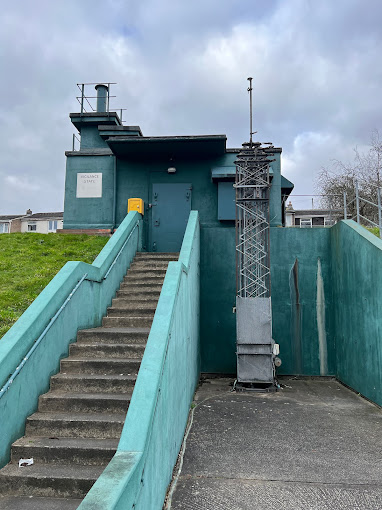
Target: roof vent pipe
(102,97)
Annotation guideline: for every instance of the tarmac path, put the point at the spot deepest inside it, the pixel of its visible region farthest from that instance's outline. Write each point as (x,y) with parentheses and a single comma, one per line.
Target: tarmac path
(312,445)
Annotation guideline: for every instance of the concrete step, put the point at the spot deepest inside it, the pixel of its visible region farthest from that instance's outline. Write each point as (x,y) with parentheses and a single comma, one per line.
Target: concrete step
(88,383)
(97,425)
(84,402)
(137,304)
(138,295)
(104,366)
(143,265)
(130,322)
(145,272)
(143,279)
(129,305)
(106,350)
(64,450)
(113,335)
(156,256)
(48,480)
(139,286)
(36,503)
(130,311)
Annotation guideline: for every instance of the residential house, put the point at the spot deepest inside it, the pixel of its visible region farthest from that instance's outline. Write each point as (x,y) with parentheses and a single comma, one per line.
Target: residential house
(43,223)
(307,218)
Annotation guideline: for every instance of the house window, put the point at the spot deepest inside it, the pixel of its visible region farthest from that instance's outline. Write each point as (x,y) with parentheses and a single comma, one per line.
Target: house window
(32,227)
(306,223)
(329,222)
(52,225)
(4,228)
(318,221)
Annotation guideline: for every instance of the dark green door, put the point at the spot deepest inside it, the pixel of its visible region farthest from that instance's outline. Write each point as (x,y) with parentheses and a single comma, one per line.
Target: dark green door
(170,212)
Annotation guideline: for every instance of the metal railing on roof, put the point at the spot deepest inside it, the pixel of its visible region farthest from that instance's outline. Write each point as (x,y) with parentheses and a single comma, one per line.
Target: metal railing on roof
(86,103)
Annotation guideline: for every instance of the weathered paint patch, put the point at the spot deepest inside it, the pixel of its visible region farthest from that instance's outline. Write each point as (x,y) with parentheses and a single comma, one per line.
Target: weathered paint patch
(321,324)
(295,317)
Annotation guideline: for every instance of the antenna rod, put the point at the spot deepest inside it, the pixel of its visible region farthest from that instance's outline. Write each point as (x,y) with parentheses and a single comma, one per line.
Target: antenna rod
(250,110)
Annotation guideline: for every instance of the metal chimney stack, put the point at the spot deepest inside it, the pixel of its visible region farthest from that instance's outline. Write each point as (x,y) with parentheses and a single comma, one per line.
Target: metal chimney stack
(102,98)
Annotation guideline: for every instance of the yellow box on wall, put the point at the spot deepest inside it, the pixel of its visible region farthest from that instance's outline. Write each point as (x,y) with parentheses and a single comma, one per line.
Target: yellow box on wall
(135,204)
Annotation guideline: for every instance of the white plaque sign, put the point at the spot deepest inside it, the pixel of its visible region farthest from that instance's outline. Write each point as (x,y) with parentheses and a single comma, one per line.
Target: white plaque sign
(89,185)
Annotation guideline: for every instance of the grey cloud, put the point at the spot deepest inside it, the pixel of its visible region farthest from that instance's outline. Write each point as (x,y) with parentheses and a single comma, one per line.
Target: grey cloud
(181,67)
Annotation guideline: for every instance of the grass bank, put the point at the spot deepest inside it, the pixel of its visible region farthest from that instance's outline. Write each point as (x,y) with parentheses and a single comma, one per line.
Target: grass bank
(29,261)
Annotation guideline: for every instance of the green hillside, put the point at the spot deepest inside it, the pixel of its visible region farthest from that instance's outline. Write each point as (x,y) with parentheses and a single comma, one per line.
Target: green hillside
(29,261)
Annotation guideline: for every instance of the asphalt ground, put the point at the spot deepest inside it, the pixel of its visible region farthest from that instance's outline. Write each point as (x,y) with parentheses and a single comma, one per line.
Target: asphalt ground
(314,444)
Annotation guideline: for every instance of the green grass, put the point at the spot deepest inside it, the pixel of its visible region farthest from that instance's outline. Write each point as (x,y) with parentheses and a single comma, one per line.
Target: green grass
(373,230)
(29,261)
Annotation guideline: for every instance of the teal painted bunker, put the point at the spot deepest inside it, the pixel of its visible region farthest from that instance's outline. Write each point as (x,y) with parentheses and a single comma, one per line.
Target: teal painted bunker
(176,174)
(172,175)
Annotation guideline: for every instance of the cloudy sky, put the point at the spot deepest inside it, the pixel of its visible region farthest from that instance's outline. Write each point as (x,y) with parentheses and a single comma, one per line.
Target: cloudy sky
(181,68)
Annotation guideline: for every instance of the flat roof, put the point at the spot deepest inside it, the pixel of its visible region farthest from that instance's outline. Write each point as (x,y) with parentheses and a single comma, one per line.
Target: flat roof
(168,146)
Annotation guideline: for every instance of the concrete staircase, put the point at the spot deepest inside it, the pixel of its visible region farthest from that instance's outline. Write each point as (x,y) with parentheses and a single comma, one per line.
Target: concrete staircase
(76,429)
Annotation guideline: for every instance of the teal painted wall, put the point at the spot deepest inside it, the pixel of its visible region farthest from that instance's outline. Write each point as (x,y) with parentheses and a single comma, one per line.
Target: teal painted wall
(84,310)
(138,475)
(357,267)
(89,212)
(135,177)
(90,138)
(275,192)
(302,300)
(217,256)
(327,314)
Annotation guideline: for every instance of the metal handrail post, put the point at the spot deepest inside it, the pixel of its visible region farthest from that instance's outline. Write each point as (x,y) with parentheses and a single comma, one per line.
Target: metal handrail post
(357,200)
(82,97)
(345,207)
(330,211)
(379,213)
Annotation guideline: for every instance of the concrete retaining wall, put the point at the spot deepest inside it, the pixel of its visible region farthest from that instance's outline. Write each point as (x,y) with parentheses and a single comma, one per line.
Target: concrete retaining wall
(302,300)
(84,310)
(139,473)
(357,279)
(327,304)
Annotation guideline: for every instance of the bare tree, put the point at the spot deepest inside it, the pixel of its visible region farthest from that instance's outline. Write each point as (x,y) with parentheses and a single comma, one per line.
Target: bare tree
(366,169)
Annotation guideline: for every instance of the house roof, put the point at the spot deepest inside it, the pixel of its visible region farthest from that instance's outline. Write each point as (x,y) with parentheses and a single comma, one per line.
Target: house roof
(10,217)
(43,216)
(35,216)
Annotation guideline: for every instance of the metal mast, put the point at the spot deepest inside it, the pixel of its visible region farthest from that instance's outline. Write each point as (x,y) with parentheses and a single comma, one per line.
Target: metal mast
(252,209)
(255,347)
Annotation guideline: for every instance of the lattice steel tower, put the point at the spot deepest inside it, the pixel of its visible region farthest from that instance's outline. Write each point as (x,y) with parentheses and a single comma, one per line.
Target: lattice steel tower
(255,347)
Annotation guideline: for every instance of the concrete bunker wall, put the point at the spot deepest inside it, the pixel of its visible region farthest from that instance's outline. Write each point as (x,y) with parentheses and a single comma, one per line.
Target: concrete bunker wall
(326,304)
(302,300)
(357,322)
